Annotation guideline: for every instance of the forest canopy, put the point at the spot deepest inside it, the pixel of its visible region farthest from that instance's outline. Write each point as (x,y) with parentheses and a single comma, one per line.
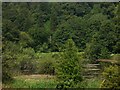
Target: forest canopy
(46,26)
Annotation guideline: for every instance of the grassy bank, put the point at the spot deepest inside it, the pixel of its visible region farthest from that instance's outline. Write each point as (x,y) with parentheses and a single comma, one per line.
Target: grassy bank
(29,81)
(47,81)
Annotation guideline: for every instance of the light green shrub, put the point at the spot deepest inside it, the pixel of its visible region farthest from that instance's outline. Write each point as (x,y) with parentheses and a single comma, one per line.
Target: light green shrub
(111,77)
(116,57)
(45,63)
(46,67)
(68,67)
(27,60)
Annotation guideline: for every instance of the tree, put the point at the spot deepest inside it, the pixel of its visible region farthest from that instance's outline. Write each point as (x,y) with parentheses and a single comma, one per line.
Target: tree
(9,60)
(75,28)
(25,39)
(96,48)
(116,19)
(68,68)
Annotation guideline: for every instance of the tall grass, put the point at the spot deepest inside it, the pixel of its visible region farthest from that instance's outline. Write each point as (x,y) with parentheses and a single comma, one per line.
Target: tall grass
(90,83)
(51,83)
(32,83)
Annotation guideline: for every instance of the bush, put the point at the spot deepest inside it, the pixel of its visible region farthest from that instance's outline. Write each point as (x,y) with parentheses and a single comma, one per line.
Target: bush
(95,50)
(9,56)
(6,77)
(111,77)
(45,63)
(27,67)
(116,57)
(46,67)
(26,61)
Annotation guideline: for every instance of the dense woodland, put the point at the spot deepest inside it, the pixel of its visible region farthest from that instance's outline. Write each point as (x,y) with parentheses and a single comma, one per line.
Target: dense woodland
(30,29)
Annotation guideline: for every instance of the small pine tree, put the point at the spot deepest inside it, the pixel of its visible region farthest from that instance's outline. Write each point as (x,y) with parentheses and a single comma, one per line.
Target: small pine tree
(68,68)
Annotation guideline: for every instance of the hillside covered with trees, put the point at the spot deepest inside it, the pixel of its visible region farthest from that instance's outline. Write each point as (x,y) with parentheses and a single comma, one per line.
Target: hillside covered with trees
(32,29)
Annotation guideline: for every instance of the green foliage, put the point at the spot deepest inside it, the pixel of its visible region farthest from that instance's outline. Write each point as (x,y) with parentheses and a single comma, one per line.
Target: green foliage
(103,36)
(112,76)
(9,59)
(96,51)
(68,68)
(45,63)
(90,83)
(27,61)
(44,48)
(91,51)
(15,58)
(101,42)
(54,23)
(45,27)
(115,57)
(6,76)
(46,67)
(25,39)
(31,83)
(75,28)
